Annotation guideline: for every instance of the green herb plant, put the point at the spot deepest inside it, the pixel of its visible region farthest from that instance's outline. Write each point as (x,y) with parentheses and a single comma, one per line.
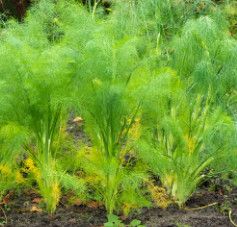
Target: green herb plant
(115,179)
(177,134)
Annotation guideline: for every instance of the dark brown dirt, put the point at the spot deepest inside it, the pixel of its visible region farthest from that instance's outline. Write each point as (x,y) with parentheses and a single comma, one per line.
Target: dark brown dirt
(19,213)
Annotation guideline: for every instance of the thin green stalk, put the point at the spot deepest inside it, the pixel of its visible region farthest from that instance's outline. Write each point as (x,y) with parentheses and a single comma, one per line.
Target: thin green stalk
(94,8)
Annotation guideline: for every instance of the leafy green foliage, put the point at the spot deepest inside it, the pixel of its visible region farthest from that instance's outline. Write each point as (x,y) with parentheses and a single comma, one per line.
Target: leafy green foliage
(154,82)
(114,221)
(179,135)
(213,60)
(115,180)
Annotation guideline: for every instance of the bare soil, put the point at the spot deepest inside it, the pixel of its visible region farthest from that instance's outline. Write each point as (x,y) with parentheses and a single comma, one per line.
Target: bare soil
(19,213)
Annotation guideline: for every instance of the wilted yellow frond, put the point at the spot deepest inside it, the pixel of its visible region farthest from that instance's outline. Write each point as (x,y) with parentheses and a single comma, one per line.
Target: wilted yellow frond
(159,195)
(29,164)
(19,178)
(31,168)
(56,192)
(135,130)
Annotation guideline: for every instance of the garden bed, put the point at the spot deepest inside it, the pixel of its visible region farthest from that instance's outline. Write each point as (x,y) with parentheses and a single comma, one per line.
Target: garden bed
(118,107)
(20,212)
